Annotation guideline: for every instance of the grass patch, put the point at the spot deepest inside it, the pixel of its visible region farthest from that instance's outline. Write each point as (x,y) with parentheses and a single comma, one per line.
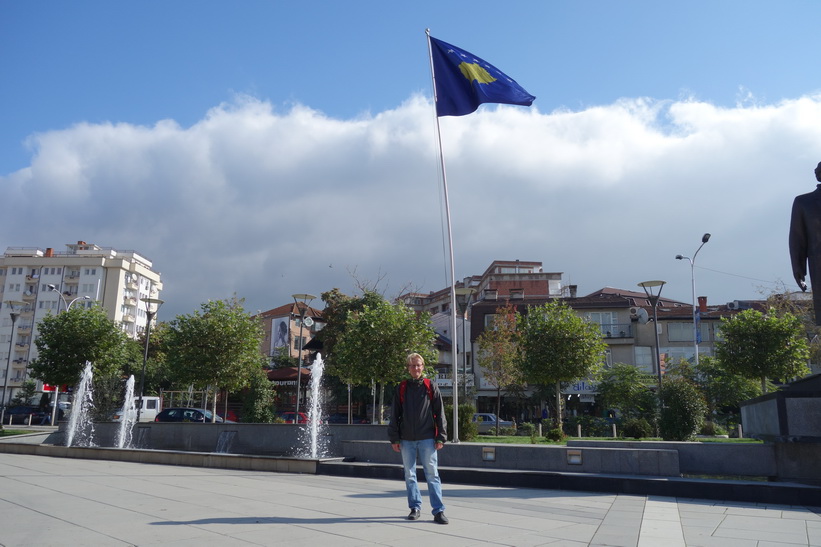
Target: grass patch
(517,439)
(12,432)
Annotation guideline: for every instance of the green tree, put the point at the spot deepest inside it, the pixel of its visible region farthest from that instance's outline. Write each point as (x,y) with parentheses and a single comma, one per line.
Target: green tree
(719,387)
(762,346)
(26,393)
(258,400)
(67,340)
(216,347)
(559,346)
(682,410)
(377,340)
(338,307)
(627,389)
(499,354)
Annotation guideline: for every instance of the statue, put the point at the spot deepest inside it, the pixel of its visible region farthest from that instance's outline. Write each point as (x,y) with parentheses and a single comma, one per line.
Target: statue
(805,241)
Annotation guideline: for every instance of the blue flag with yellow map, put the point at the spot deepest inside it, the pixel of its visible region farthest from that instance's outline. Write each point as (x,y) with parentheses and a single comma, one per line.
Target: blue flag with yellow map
(464,81)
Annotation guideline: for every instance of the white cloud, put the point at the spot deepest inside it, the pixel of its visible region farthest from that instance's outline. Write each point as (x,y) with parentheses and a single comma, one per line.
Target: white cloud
(264,203)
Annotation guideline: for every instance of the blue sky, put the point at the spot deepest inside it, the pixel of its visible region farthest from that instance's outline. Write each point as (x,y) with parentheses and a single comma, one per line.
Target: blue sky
(652,124)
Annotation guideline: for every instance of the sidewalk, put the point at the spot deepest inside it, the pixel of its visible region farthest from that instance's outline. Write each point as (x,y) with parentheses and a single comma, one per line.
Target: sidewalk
(65,502)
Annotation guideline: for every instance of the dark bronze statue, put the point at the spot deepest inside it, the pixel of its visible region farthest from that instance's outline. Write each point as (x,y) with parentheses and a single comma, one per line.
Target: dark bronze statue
(805,241)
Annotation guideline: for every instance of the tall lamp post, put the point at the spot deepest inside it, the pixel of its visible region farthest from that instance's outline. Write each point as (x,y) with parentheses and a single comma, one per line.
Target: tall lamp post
(463,296)
(649,287)
(152,306)
(14,313)
(704,239)
(67,305)
(306,301)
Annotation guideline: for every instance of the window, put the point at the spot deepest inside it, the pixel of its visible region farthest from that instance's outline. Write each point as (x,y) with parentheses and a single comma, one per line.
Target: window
(297,342)
(645,359)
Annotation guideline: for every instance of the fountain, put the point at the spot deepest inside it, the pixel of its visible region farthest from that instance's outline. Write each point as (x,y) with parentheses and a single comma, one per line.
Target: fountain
(79,423)
(313,439)
(129,417)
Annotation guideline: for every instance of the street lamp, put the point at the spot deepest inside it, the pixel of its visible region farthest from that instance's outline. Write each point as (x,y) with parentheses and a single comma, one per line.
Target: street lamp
(306,301)
(704,239)
(463,296)
(648,287)
(152,306)
(67,305)
(14,313)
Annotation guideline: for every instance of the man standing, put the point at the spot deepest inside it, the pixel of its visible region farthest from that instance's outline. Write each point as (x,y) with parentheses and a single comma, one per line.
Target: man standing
(417,430)
(805,241)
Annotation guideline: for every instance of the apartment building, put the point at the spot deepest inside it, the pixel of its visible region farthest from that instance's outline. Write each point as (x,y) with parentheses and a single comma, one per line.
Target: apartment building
(44,281)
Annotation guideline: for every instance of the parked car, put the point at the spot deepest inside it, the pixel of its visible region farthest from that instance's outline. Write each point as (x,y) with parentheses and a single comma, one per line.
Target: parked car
(20,415)
(181,414)
(486,422)
(342,418)
(289,417)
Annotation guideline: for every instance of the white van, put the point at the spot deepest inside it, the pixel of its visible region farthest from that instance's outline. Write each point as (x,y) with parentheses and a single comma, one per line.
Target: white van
(151,407)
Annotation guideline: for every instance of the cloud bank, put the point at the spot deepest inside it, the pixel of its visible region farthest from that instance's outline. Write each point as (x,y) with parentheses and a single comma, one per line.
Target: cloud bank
(263,202)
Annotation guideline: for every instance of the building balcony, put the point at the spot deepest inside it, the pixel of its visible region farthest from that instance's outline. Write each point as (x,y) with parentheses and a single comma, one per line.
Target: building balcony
(73,277)
(132,285)
(24,329)
(128,318)
(20,346)
(129,301)
(617,330)
(29,295)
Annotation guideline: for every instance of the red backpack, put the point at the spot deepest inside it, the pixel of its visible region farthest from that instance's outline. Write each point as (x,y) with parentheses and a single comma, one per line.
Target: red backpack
(404,386)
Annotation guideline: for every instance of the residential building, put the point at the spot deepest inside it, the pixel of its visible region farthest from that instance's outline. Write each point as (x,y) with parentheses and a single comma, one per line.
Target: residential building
(283,328)
(48,282)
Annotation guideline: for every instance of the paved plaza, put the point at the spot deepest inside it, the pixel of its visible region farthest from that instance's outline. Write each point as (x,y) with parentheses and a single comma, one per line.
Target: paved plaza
(64,502)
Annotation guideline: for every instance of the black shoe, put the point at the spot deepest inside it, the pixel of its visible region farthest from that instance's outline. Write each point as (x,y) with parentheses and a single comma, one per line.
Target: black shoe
(440,518)
(414,514)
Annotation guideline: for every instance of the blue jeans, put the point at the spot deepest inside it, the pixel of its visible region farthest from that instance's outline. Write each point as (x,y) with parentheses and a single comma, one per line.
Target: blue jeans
(426,452)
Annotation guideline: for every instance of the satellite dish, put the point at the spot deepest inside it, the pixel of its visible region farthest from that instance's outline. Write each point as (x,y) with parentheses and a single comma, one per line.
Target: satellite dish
(642,315)
(308,322)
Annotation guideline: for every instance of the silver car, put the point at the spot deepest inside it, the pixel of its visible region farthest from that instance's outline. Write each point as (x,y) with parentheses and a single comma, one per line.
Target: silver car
(486,422)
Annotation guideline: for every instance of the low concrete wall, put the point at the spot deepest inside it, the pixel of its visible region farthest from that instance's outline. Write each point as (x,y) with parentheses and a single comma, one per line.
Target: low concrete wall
(783,416)
(259,439)
(623,461)
(695,458)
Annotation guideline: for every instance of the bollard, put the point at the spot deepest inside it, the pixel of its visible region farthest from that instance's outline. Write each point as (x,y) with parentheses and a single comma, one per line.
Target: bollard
(540,430)
(740,432)
(579,430)
(614,430)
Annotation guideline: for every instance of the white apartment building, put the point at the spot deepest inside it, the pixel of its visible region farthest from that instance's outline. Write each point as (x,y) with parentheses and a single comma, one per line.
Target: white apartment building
(48,281)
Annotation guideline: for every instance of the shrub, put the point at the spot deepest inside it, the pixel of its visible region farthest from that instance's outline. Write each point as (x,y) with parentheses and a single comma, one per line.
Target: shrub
(682,410)
(526,429)
(592,426)
(555,434)
(712,429)
(467,429)
(636,428)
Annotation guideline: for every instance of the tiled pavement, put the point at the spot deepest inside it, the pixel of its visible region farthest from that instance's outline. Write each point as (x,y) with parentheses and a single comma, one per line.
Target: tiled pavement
(48,501)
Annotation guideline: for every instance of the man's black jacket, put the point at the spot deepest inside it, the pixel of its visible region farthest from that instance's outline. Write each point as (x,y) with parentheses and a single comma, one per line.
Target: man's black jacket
(414,420)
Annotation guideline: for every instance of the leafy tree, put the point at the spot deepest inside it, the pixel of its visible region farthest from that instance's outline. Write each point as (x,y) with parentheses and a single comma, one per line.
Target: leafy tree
(258,400)
(377,340)
(718,386)
(338,307)
(25,394)
(762,346)
(499,354)
(559,346)
(218,346)
(67,340)
(627,389)
(682,410)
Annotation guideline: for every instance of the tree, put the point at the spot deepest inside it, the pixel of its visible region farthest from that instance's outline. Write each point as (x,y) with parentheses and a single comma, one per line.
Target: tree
(719,387)
(67,340)
(627,389)
(258,400)
(559,346)
(338,307)
(682,410)
(762,346)
(217,347)
(25,395)
(499,354)
(377,340)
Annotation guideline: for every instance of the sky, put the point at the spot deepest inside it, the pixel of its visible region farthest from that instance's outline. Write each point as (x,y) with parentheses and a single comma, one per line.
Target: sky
(266,148)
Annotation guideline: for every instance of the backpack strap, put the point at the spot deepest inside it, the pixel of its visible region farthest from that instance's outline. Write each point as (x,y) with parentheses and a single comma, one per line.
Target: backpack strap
(403,387)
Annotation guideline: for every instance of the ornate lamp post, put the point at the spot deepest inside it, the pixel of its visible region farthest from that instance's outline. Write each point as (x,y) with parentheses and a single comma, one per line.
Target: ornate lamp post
(67,305)
(704,239)
(648,287)
(152,306)
(306,301)
(14,313)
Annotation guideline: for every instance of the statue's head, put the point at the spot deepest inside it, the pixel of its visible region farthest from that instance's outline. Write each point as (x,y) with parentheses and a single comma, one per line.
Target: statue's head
(818,172)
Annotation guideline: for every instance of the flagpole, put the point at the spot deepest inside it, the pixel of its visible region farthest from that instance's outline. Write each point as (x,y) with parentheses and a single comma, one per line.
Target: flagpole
(454,349)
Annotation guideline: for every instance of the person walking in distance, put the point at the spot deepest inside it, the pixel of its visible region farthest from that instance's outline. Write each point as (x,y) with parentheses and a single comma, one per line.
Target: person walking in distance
(418,429)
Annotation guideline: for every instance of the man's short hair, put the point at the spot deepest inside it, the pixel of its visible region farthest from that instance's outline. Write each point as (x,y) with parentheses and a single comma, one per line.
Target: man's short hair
(413,356)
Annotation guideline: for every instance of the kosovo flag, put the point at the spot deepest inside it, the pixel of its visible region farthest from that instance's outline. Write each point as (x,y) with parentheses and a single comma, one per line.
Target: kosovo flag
(464,81)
